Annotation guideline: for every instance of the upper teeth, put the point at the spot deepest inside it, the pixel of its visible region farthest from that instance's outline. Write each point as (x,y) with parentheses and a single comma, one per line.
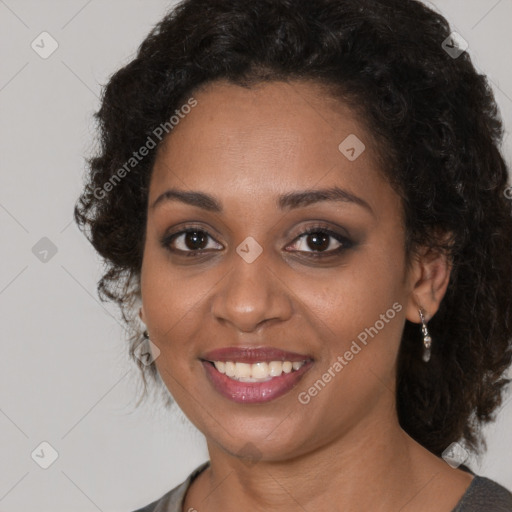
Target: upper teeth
(256,372)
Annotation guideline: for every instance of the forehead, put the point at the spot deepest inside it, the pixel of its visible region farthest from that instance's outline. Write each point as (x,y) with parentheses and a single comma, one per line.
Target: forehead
(250,143)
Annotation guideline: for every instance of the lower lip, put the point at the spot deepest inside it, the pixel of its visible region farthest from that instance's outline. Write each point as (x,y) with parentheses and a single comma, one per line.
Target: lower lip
(254,392)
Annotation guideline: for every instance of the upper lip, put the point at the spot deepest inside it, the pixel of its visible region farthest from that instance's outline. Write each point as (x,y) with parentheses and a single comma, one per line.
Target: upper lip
(253,355)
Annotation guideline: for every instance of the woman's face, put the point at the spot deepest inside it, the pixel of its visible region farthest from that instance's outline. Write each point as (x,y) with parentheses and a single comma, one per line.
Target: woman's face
(250,287)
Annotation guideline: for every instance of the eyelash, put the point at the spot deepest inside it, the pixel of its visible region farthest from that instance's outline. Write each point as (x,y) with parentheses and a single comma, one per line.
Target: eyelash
(344,241)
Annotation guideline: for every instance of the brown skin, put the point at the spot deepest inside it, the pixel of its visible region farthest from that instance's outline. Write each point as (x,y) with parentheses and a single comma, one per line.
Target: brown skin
(344,449)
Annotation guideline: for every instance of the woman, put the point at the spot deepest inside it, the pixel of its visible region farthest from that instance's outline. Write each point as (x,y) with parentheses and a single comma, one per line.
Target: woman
(305,204)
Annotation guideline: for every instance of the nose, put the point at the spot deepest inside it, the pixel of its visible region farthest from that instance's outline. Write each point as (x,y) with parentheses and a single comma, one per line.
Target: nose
(252,294)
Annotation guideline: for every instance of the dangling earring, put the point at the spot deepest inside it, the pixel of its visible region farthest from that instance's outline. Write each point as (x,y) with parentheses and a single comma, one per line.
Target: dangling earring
(427,340)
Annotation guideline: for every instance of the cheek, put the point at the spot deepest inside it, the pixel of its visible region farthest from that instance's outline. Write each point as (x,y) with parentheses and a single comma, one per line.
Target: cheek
(169,301)
(167,294)
(360,313)
(353,296)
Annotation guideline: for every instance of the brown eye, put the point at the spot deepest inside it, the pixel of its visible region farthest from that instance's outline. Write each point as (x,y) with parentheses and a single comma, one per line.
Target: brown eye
(190,240)
(318,241)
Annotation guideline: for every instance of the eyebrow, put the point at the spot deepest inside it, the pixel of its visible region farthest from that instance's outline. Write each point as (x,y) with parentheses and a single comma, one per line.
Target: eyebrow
(285,202)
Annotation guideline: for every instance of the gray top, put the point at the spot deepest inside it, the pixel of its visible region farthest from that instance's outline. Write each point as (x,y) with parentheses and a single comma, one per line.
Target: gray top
(482,495)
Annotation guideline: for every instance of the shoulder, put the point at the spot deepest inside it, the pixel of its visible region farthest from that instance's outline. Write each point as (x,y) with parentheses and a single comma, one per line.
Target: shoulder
(485,495)
(172,500)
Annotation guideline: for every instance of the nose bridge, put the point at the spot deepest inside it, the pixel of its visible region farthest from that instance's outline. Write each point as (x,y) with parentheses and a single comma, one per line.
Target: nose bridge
(251,293)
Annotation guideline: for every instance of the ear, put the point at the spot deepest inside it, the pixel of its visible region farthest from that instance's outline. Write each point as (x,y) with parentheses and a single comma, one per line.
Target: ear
(141,315)
(428,278)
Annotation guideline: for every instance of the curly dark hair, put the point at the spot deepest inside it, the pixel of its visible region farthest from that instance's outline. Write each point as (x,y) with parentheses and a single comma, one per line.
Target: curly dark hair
(438,131)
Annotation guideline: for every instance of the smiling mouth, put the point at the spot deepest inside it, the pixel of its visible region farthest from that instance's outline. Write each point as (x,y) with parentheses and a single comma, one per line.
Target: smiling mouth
(254,374)
(254,383)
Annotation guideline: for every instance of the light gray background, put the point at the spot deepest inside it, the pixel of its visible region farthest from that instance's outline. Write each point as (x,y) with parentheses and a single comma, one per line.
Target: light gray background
(65,376)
